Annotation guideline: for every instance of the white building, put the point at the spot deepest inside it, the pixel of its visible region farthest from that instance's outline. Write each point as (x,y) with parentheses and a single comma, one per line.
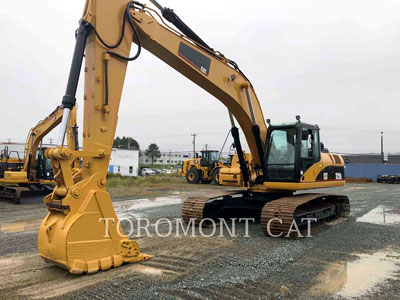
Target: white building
(166,158)
(124,162)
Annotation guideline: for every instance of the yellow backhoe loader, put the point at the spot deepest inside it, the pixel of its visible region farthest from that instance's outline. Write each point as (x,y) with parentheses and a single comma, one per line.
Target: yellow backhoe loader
(32,173)
(285,158)
(204,169)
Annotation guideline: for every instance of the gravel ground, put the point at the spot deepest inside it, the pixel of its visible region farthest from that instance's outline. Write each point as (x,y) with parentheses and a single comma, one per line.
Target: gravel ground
(353,259)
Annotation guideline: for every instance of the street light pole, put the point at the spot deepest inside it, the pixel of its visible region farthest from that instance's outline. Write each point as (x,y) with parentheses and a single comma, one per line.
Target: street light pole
(194,144)
(382,153)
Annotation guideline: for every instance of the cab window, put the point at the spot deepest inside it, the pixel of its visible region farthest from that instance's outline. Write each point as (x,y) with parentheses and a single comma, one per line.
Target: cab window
(309,148)
(214,156)
(282,147)
(280,162)
(307,139)
(205,156)
(317,147)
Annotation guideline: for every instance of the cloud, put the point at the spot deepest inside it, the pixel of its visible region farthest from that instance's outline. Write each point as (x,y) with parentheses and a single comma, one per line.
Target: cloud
(333,62)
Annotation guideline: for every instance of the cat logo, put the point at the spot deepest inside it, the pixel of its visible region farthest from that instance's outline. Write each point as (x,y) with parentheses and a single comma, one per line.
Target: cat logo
(204,70)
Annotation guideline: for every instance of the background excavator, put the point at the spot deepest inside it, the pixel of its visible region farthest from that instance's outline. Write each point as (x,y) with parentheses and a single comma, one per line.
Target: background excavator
(81,230)
(32,173)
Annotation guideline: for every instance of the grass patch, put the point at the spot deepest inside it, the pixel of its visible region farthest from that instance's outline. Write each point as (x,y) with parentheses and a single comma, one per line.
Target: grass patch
(118,181)
(121,187)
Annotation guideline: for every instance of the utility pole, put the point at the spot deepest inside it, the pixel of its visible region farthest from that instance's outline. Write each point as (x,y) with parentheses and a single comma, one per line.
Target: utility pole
(382,153)
(194,144)
(51,141)
(170,163)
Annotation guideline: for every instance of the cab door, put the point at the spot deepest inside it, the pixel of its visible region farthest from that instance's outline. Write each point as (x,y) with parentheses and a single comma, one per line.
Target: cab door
(310,152)
(206,160)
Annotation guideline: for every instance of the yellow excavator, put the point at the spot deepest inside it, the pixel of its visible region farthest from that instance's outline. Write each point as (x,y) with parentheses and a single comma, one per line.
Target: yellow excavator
(33,174)
(81,231)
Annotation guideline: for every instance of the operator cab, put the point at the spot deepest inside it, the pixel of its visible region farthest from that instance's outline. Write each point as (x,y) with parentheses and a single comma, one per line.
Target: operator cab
(44,168)
(291,149)
(208,158)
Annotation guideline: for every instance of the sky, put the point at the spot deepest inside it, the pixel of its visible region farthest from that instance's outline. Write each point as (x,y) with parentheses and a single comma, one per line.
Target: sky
(334,63)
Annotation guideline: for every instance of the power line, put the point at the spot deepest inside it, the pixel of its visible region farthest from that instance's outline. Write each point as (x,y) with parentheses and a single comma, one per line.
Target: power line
(178,135)
(366,130)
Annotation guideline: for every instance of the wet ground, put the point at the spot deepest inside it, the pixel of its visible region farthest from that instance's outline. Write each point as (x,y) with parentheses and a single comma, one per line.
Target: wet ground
(356,259)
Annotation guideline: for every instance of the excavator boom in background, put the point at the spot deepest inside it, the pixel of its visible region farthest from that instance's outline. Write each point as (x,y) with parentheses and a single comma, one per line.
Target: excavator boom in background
(33,173)
(285,158)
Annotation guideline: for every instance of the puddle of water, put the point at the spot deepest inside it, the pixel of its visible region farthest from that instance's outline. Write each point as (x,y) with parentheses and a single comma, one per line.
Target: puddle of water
(135,208)
(357,188)
(61,286)
(9,263)
(12,227)
(356,278)
(146,270)
(381,215)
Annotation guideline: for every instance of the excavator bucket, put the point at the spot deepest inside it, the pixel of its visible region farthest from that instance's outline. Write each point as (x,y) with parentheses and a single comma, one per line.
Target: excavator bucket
(82,233)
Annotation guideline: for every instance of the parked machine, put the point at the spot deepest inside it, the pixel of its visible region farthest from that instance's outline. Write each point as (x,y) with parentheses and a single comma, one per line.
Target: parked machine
(285,158)
(10,161)
(32,173)
(204,169)
(392,179)
(232,176)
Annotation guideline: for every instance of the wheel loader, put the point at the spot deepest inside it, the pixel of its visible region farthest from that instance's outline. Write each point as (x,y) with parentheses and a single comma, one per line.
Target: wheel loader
(204,169)
(285,158)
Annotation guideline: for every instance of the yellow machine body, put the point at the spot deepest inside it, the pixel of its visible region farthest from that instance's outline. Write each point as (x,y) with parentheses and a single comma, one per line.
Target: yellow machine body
(309,180)
(15,176)
(74,234)
(232,176)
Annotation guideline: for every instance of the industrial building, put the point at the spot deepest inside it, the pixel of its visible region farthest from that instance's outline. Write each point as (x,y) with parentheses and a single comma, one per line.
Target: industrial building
(166,158)
(124,162)
(371,159)
(371,166)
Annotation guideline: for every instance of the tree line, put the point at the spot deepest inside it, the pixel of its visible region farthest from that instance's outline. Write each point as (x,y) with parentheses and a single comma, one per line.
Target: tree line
(129,143)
